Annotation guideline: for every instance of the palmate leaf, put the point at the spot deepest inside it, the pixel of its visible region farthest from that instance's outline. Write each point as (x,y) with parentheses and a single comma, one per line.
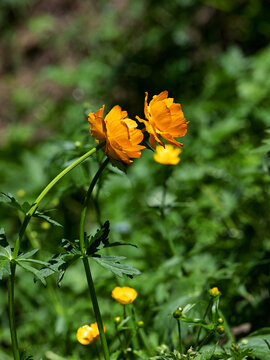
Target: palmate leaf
(33,270)
(26,262)
(100,240)
(25,207)
(101,237)
(112,263)
(60,263)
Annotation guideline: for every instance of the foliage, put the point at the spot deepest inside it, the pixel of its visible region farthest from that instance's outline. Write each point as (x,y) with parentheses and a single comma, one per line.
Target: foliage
(202,223)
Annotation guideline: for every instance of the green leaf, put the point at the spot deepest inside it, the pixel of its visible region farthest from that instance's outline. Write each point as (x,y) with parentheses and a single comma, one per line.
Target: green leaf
(100,240)
(47,218)
(93,243)
(9,199)
(32,270)
(259,346)
(27,255)
(112,263)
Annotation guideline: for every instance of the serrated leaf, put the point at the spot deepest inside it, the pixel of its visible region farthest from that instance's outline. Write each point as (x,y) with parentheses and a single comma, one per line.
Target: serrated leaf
(27,255)
(9,199)
(112,263)
(47,218)
(32,270)
(93,243)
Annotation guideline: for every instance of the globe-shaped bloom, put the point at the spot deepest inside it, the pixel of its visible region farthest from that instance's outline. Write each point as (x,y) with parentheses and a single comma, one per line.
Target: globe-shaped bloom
(119,133)
(124,295)
(164,120)
(168,155)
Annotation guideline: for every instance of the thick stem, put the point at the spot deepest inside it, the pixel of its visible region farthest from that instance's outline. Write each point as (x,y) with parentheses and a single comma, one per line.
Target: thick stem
(204,317)
(85,204)
(12,325)
(44,192)
(180,337)
(96,308)
(207,337)
(86,263)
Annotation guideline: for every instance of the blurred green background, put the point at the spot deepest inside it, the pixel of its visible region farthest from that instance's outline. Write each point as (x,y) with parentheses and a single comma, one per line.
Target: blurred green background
(61,59)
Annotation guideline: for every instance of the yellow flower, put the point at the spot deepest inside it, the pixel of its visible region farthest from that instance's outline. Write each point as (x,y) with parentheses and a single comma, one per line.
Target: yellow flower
(168,155)
(165,120)
(214,291)
(119,132)
(88,334)
(124,295)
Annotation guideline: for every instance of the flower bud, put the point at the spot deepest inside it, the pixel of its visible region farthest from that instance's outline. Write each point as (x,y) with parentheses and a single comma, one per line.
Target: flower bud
(220,329)
(177,313)
(214,292)
(220,320)
(117,320)
(140,324)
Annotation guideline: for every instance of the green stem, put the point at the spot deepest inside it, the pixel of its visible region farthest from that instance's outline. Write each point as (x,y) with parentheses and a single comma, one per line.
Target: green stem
(31,212)
(204,317)
(12,325)
(24,225)
(180,337)
(207,337)
(96,308)
(86,263)
(85,204)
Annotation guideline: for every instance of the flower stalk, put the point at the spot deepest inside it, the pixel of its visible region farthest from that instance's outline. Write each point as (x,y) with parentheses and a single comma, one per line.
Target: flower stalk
(31,212)
(86,263)
(180,336)
(16,250)
(13,334)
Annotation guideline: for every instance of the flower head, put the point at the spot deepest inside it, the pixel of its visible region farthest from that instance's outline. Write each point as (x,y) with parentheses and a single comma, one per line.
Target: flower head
(124,295)
(88,334)
(165,120)
(119,132)
(168,155)
(214,292)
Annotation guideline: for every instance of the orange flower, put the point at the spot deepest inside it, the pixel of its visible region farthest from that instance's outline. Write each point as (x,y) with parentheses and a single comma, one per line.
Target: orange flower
(124,295)
(168,155)
(165,120)
(119,132)
(88,334)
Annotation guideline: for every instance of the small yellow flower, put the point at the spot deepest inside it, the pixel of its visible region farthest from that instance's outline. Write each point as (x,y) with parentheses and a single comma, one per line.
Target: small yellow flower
(88,334)
(85,335)
(168,155)
(20,193)
(214,291)
(220,329)
(124,295)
